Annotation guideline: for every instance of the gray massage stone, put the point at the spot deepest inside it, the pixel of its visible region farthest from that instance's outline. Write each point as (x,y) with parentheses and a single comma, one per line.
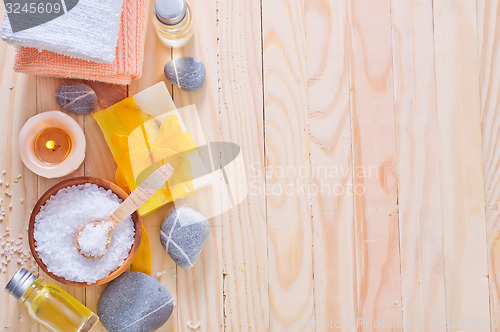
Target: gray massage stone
(75,97)
(186,73)
(183,235)
(134,302)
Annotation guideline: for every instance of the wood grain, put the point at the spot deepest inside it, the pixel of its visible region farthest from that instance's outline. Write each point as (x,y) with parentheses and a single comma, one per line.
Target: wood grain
(200,290)
(246,302)
(375,165)
(291,295)
(99,160)
(331,164)
(488,16)
(369,113)
(461,169)
(18,95)
(420,215)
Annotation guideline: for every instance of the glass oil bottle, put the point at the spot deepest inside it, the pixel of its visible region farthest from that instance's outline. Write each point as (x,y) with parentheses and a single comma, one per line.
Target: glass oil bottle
(173,22)
(49,305)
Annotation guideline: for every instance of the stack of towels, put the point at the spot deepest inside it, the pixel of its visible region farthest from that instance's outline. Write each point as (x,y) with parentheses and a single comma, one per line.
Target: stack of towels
(94,40)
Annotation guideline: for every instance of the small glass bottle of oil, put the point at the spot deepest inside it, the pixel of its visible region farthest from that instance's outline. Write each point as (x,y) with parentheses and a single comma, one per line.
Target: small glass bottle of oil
(49,305)
(173,22)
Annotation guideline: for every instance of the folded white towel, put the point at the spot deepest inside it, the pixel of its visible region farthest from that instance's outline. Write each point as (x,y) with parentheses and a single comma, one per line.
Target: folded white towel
(89,31)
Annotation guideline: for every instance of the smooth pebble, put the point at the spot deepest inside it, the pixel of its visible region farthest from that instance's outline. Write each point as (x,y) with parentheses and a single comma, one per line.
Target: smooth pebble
(134,302)
(184,232)
(75,97)
(186,73)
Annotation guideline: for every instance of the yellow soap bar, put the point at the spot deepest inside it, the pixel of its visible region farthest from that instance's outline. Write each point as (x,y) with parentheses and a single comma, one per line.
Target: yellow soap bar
(143,132)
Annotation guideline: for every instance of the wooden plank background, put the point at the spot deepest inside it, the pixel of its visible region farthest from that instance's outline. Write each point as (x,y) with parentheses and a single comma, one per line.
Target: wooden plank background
(370,135)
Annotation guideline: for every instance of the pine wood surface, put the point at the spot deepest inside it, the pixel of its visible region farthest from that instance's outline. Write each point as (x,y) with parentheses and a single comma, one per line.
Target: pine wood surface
(369,134)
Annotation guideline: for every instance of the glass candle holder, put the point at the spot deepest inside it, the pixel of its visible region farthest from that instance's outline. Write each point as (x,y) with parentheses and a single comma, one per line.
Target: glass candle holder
(52,144)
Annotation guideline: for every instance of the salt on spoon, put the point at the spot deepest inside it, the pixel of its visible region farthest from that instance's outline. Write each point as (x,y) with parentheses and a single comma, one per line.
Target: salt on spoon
(93,240)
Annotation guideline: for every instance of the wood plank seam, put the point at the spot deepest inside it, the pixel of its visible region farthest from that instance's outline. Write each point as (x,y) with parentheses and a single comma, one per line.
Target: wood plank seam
(419,218)
(309,175)
(446,309)
(487,28)
(288,214)
(457,86)
(396,159)
(265,146)
(376,209)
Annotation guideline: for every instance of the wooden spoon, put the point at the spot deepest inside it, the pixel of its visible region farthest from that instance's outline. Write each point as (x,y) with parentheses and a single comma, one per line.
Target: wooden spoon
(138,197)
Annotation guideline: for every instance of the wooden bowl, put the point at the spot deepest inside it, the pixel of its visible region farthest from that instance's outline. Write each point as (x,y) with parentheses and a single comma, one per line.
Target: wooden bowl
(74,182)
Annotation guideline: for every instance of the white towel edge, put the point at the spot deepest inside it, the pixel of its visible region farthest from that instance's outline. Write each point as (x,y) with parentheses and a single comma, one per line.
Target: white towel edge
(9,36)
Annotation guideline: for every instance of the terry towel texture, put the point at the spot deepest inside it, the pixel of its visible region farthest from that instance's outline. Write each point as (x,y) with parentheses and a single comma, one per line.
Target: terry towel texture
(88,31)
(126,66)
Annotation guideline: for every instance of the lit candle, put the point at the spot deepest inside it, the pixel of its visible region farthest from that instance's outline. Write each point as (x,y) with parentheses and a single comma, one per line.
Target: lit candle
(52,144)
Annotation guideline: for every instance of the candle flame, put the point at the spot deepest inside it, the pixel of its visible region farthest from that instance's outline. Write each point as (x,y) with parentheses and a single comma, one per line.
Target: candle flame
(50,145)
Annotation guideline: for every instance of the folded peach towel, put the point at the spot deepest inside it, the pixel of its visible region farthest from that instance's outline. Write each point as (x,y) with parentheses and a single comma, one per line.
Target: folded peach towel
(126,66)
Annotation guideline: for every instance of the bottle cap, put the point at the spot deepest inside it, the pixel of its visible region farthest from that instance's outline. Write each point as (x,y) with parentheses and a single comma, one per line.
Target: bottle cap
(20,283)
(170,12)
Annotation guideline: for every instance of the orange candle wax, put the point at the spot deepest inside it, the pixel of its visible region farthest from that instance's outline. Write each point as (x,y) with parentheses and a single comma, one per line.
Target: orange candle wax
(52,145)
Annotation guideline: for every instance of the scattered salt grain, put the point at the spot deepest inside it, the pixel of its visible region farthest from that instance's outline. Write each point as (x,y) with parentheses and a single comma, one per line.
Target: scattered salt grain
(11,205)
(7,184)
(21,200)
(4,172)
(11,86)
(62,216)
(93,240)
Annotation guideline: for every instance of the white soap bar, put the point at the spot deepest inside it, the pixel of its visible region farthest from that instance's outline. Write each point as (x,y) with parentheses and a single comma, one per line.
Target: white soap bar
(155,100)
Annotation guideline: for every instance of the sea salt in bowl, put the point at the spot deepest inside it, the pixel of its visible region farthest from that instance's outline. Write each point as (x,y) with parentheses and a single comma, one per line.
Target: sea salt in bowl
(135,220)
